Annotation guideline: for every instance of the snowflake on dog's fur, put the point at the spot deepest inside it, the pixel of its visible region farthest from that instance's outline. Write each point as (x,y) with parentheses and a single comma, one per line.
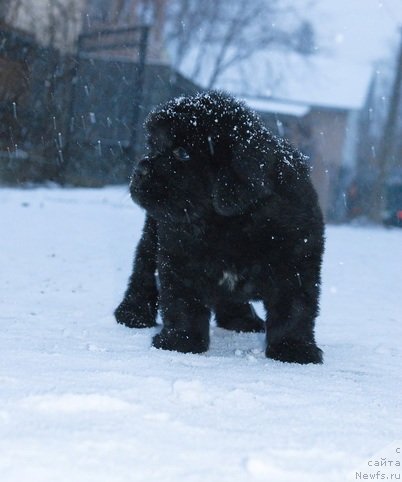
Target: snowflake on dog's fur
(217,109)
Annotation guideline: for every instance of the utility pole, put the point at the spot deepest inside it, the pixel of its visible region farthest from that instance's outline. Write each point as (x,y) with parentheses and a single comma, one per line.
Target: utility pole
(387,142)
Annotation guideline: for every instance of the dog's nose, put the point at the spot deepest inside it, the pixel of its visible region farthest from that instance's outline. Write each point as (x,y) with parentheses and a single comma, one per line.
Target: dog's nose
(142,168)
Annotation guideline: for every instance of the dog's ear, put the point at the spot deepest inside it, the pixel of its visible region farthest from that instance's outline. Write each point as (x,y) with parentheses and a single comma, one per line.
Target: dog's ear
(266,167)
(231,196)
(245,180)
(254,168)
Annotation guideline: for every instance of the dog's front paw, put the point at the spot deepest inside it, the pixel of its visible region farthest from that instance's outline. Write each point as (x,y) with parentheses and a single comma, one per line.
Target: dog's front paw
(140,315)
(182,341)
(293,351)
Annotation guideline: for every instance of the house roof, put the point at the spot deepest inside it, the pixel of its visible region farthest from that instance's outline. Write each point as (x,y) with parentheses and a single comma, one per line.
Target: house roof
(313,81)
(310,81)
(277,106)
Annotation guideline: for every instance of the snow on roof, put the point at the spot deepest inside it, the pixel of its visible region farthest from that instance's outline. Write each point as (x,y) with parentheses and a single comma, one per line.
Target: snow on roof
(312,81)
(325,82)
(276,106)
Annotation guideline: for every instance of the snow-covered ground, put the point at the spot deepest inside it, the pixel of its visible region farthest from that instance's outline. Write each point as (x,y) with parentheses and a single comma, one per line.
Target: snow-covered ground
(85,399)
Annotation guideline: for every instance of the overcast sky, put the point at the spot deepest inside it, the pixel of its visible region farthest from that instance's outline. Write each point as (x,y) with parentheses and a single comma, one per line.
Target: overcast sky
(358,30)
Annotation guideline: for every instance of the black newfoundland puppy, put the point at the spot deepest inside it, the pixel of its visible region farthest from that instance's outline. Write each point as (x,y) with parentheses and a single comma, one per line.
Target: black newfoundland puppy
(231,216)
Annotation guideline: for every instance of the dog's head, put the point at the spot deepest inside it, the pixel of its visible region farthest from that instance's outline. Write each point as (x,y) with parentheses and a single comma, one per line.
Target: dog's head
(206,153)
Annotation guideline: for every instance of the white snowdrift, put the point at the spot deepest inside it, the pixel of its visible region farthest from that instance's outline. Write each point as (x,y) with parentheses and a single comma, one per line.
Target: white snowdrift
(84,399)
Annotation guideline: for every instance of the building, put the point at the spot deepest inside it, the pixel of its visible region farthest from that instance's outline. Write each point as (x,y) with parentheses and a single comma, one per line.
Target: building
(81,110)
(319,113)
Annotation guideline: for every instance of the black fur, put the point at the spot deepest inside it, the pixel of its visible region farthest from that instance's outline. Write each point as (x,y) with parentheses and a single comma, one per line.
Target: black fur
(231,217)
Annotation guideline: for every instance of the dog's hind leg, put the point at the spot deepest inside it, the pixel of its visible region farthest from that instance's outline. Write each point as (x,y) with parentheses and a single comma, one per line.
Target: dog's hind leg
(140,303)
(240,317)
(291,311)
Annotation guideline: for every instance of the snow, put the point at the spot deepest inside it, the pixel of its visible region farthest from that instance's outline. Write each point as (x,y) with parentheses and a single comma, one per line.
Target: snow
(314,81)
(83,398)
(287,108)
(350,37)
(358,31)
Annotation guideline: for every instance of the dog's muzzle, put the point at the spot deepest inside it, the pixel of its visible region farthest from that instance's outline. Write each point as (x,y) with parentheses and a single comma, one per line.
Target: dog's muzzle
(139,174)
(143,168)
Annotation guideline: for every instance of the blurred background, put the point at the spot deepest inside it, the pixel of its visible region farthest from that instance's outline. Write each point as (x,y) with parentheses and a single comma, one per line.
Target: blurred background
(78,77)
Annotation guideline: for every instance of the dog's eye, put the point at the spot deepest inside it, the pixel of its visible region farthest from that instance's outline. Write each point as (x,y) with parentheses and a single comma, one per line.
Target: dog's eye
(181,154)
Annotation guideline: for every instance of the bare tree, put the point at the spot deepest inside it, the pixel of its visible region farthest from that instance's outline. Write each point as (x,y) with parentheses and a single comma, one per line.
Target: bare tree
(9,10)
(210,36)
(53,22)
(380,134)
(388,142)
(217,35)
(3,10)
